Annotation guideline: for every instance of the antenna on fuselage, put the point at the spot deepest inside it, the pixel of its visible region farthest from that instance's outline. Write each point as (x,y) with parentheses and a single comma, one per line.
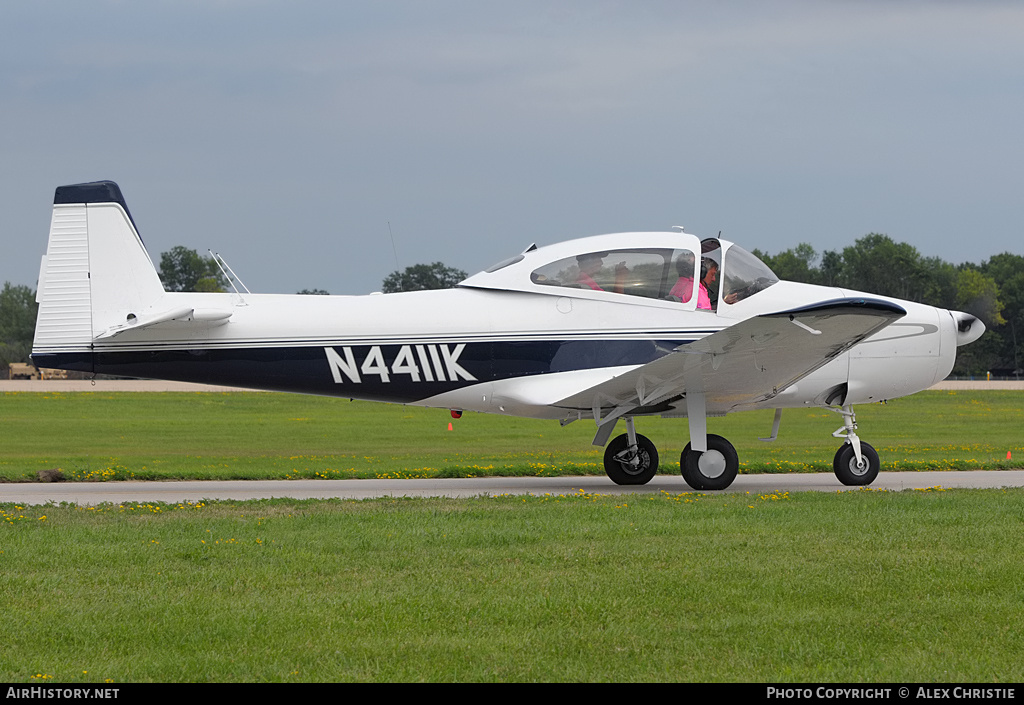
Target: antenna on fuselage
(679,228)
(394,248)
(228,272)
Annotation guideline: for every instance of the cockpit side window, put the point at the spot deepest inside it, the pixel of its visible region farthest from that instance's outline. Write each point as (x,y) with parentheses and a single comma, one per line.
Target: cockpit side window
(744,275)
(648,273)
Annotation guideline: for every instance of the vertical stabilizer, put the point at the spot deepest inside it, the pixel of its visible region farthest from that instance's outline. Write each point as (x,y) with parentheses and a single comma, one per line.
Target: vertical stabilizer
(95,272)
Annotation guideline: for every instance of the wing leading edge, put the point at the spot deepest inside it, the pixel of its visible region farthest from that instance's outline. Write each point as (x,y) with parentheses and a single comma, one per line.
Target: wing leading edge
(744,364)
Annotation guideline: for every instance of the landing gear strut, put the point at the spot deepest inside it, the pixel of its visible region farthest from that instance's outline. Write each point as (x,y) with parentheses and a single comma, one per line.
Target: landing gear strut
(631,459)
(856,463)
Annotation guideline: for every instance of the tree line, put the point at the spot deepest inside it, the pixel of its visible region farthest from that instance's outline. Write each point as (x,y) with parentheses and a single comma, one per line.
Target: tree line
(992,290)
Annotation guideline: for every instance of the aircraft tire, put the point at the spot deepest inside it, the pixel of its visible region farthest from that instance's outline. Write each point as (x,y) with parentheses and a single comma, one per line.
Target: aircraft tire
(846,469)
(714,469)
(622,472)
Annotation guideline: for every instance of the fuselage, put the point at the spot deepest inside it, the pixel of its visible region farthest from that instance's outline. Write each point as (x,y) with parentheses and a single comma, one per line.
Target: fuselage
(514,339)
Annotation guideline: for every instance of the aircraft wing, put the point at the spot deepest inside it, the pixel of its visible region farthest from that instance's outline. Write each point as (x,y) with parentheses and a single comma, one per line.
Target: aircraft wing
(746,363)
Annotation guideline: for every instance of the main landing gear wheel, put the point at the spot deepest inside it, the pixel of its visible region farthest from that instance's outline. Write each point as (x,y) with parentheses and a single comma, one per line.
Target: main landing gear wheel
(852,473)
(631,466)
(714,469)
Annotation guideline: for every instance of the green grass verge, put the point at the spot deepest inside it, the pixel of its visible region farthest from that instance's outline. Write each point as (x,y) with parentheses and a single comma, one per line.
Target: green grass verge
(108,436)
(865,586)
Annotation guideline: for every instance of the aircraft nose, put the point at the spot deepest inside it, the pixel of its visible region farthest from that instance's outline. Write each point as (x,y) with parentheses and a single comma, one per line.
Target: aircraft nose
(968,328)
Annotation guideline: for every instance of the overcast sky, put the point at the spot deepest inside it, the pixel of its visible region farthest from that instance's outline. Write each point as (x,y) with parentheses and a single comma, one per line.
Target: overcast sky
(288,135)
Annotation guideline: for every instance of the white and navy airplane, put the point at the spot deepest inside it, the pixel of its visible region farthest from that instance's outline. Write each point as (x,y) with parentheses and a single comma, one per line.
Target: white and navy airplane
(604,328)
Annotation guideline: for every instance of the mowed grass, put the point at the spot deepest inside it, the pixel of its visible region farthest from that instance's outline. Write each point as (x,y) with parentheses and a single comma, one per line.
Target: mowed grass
(863,586)
(105,436)
(849,587)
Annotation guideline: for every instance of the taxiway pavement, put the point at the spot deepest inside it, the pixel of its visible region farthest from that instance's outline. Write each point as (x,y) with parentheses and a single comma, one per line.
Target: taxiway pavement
(92,493)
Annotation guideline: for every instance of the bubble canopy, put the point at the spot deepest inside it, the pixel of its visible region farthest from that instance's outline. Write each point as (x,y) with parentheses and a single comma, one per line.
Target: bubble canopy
(656,266)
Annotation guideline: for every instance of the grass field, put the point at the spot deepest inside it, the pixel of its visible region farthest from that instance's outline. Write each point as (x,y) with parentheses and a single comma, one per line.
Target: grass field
(110,436)
(861,586)
(852,587)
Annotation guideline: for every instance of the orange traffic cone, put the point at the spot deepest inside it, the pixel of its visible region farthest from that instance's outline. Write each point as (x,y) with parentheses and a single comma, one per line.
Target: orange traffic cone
(449,425)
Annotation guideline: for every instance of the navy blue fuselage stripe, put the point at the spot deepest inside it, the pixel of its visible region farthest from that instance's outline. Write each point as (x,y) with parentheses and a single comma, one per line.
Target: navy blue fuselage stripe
(308,369)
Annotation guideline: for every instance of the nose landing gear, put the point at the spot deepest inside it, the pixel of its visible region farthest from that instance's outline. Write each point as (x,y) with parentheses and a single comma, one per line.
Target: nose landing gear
(856,463)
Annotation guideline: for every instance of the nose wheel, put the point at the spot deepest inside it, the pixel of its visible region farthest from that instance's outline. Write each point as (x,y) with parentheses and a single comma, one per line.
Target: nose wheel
(854,472)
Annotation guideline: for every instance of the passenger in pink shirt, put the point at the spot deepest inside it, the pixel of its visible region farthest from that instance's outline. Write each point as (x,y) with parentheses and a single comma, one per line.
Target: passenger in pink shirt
(682,290)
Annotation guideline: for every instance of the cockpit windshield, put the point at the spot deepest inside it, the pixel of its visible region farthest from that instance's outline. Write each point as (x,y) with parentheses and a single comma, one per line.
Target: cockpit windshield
(744,275)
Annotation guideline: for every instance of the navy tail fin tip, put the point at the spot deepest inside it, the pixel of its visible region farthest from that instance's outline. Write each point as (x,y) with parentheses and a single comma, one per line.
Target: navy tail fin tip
(93,192)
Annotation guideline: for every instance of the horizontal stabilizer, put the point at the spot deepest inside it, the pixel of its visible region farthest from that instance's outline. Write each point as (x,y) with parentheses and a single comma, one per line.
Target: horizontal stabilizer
(207,318)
